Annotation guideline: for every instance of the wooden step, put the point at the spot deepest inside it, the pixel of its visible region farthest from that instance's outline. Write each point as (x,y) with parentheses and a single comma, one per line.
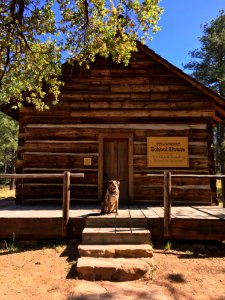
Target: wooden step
(114,269)
(125,251)
(103,236)
(105,221)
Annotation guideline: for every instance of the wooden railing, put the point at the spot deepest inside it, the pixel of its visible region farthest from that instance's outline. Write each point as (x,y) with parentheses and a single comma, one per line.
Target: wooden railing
(167,193)
(66,190)
(167,199)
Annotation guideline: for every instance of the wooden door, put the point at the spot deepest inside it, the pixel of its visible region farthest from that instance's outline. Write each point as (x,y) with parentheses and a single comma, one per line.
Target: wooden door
(115,165)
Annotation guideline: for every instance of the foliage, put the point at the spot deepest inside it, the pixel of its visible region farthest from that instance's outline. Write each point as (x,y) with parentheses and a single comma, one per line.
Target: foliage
(35,35)
(220,152)
(8,132)
(168,246)
(11,247)
(8,142)
(208,66)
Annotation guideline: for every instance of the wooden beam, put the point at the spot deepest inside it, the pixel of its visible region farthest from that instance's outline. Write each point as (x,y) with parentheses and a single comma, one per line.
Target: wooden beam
(197,229)
(61,170)
(217,118)
(59,142)
(223,191)
(66,202)
(167,203)
(59,154)
(104,113)
(131,166)
(220,110)
(24,176)
(199,176)
(160,126)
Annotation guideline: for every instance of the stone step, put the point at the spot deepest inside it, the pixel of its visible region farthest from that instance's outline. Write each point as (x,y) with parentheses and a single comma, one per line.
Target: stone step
(103,236)
(105,221)
(114,269)
(126,251)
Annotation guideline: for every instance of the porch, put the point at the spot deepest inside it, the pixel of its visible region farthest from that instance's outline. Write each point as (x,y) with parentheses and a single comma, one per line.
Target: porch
(45,221)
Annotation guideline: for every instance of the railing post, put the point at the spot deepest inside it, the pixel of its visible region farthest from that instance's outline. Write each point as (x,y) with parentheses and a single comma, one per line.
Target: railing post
(223,191)
(66,202)
(167,203)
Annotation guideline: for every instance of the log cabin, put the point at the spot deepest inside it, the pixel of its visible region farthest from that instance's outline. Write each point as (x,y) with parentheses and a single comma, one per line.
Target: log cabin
(126,123)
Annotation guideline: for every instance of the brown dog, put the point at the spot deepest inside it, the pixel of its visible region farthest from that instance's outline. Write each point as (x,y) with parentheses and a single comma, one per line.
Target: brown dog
(110,204)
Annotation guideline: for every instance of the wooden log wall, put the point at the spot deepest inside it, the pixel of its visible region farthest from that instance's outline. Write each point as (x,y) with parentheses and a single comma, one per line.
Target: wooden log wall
(145,99)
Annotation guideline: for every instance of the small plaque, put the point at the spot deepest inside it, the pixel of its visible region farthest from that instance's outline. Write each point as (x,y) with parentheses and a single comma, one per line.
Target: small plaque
(87,161)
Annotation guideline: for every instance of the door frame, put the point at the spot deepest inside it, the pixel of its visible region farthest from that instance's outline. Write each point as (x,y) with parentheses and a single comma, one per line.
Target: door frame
(129,137)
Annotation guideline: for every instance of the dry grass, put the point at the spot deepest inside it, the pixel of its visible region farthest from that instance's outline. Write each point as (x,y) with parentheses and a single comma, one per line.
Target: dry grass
(5,192)
(218,184)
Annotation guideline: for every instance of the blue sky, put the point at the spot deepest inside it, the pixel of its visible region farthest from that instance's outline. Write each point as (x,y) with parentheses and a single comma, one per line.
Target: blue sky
(180,24)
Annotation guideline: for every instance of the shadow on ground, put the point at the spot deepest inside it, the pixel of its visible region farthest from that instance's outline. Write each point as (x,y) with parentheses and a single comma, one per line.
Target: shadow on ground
(109,290)
(194,249)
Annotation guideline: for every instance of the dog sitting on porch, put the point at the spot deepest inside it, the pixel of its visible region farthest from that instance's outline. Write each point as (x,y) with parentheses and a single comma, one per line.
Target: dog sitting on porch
(110,204)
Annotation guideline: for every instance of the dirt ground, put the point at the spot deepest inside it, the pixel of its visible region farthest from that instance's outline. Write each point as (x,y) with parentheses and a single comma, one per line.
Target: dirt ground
(47,270)
(37,270)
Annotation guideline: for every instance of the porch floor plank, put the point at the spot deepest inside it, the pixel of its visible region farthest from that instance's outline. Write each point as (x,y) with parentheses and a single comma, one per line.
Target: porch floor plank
(8,209)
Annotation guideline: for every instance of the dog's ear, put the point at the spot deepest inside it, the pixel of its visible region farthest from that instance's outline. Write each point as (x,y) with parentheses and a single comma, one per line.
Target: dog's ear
(118,182)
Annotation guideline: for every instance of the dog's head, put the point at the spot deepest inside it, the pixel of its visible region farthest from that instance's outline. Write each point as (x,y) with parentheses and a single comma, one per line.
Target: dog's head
(113,186)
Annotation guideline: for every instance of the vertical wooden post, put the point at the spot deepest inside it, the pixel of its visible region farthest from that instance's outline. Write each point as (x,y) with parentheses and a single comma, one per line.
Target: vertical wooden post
(66,202)
(223,191)
(167,203)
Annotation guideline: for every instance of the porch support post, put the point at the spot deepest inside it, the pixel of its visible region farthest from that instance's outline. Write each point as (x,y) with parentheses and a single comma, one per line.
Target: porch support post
(223,191)
(66,202)
(167,203)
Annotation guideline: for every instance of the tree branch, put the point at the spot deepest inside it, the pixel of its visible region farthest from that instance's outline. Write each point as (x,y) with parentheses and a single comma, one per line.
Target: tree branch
(17,15)
(86,17)
(5,65)
(86,13)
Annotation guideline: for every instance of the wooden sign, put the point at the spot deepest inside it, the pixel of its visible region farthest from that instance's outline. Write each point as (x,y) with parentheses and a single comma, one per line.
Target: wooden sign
(167,152)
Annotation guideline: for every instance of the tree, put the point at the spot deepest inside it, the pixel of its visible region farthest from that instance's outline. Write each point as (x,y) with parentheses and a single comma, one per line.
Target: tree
(208,66)
(8,144)
(37,35)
